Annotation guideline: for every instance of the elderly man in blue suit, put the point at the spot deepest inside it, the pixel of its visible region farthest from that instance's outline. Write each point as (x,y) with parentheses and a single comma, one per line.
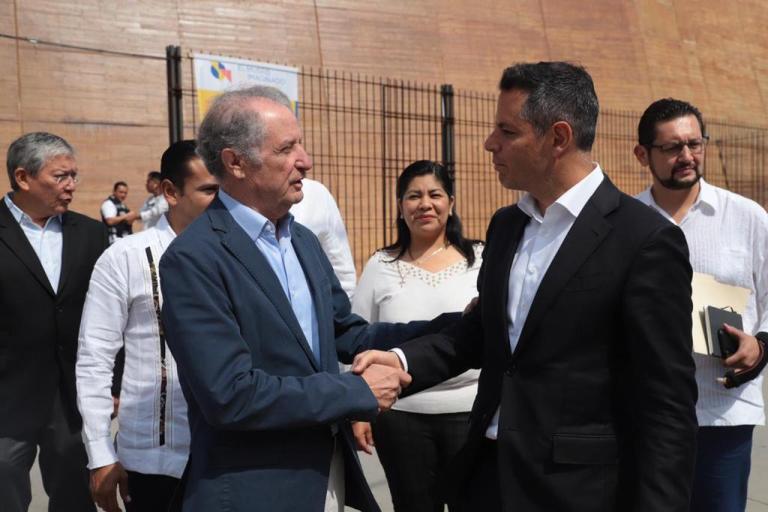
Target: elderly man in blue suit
(257,321)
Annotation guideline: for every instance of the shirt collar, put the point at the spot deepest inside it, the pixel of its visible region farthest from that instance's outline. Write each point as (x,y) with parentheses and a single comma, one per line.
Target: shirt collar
(20,216)
(707,197)
(254,223)
(572,201)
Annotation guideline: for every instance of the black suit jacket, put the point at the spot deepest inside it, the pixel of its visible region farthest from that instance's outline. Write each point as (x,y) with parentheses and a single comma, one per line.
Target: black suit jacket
(39,325)
(598,398)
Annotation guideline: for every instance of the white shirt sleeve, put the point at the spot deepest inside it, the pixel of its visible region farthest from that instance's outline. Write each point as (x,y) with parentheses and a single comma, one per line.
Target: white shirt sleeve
(108,209)
(760,265)
(104,319)
(335,244)
(152,209)
(364,300)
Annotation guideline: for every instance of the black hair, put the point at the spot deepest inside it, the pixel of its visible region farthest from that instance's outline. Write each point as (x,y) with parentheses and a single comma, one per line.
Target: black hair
(557,91)
(119,184)
(154,175)
(453,229)
(173,164)
(664,110)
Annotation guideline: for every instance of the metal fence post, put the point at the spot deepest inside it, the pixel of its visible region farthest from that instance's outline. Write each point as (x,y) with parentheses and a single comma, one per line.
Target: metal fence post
(175,105)
(447,128)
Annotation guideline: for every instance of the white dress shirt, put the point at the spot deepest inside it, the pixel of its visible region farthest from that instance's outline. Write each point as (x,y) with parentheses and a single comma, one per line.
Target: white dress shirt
(120,309)
(108,209)
(396,291)
(274,243)
(46,241)
(541,241)
(318,211)
(727,237)
(152,210)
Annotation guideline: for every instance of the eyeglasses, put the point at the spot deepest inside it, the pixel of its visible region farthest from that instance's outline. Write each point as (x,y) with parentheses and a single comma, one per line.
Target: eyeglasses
(66,177)
(695,146)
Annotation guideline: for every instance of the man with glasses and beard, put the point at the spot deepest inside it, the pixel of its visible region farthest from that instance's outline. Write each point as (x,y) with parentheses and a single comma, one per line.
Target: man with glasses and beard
(727,237)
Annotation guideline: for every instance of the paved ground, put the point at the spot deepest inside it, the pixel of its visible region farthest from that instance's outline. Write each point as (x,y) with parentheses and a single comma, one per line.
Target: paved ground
(758,483)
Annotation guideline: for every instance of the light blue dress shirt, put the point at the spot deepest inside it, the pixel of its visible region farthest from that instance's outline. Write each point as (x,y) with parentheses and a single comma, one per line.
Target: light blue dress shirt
(275,244)
(46,241)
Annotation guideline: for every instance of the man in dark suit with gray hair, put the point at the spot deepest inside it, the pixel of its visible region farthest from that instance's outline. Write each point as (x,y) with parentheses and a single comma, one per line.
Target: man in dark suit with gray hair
(47,254)
(257,322)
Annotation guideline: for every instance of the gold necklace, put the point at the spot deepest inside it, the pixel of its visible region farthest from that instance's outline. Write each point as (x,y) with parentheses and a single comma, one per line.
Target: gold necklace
(421,260)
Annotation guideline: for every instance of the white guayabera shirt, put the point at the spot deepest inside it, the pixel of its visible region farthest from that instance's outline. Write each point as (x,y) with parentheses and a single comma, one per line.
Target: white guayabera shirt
(727,237)
(122,307)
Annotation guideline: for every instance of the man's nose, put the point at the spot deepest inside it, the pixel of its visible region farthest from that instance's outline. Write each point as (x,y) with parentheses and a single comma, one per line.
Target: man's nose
(686,154)
(304,161)
(491,142)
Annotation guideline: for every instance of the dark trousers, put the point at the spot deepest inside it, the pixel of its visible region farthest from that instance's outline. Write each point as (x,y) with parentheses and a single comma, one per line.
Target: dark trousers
(481,491)
(153,493)
(723,461)
(414,450)
(62,465)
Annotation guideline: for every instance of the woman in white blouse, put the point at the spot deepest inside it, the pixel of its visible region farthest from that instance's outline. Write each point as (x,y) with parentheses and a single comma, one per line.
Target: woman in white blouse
(430,269)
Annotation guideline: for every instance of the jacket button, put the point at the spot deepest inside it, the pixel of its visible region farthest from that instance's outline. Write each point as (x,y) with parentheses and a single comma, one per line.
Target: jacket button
(511,369)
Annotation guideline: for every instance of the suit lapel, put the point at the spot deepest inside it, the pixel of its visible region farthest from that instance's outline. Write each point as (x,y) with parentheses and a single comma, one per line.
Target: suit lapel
(587,233)
(14,238)
(237,242)
(508,237)
(70,249)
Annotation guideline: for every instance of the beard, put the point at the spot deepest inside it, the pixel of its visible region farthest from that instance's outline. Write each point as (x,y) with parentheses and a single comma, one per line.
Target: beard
(674,183)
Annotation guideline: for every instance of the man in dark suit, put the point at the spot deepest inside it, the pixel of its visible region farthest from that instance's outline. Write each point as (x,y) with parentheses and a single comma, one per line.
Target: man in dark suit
(582,329)
(47,255)
(257,321)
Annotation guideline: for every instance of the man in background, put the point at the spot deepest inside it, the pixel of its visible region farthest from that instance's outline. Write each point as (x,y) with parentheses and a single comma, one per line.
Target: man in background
(155,205)
(727,237)
(115,213)
(122,308)
(47,255)
(319,212)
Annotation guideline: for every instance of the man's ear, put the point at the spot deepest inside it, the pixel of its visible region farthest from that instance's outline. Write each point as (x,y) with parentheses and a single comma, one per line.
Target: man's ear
(641,153)
(170,192)
(233,163)
(562,137)
(22,178)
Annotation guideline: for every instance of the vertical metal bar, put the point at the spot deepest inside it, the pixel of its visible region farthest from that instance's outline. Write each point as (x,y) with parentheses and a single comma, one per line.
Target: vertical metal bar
(448,135)
(384,194)
(173,79)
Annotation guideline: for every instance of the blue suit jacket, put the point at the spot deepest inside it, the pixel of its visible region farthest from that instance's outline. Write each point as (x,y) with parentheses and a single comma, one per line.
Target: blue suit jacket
(262,409)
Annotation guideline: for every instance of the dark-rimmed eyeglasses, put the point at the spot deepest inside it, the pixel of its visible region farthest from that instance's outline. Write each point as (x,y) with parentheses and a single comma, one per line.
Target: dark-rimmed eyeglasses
(695,146)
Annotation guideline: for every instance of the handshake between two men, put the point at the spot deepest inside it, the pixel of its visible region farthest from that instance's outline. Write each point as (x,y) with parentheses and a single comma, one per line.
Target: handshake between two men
(384,374)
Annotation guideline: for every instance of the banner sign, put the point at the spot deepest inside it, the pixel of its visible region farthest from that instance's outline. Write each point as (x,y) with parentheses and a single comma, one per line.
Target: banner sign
(215,74)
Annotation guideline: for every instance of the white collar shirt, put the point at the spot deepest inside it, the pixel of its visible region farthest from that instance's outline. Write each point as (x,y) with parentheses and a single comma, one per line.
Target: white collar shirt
(727,237)
(120,311)
(541,241)
(46,241)
(319,212)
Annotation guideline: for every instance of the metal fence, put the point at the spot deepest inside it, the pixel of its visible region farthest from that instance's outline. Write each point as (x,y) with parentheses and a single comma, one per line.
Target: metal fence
(362,131)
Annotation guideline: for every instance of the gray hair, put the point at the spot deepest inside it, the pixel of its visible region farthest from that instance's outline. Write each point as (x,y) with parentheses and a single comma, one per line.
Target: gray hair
(228,125)
(32,151)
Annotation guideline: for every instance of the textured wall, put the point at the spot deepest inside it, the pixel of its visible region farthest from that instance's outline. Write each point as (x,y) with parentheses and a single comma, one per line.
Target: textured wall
(113,108)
